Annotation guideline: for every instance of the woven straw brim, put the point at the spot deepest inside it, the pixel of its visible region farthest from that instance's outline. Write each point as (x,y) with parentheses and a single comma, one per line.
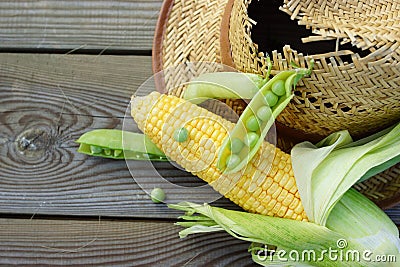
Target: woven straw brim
(219,31)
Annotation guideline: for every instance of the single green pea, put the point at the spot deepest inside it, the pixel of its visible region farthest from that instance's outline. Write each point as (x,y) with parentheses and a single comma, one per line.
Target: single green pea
(96,149)
(107,151)
(251,139)
(157,195)
(117,152)
(278,88)
(236,145)
(181,135)
(232,161)
(252,124)
(264,113)
(271,98)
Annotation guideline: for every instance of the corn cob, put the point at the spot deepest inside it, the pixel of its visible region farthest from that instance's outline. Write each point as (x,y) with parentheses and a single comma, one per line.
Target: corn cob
(266,186)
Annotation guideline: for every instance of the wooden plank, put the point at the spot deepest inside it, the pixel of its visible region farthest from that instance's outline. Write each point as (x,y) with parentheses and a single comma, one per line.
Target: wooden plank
(114,243)
(47,102)
(77,24)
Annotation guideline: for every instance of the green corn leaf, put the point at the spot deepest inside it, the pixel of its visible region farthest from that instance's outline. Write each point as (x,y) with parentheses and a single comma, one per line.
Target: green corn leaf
(324,172)
(306,157)
(360,220)
(380,168)
(292,238)
(356,229)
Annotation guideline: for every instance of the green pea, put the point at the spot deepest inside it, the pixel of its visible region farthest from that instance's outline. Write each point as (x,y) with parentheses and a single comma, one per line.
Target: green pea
(264,113)
(117,152)
(271,98)
(157,195)
(252,124)
(232,161)
(107,151)
(181,135)
(96,149)
(236,145)
(278,88)
(251,139)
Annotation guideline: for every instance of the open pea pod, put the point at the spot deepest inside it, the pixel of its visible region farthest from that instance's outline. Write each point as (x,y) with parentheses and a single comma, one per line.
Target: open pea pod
(117,144)
(253,125)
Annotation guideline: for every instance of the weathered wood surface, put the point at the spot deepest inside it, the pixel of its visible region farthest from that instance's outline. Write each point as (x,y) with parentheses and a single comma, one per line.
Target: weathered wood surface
(114,243)
(78,25)
(46,103)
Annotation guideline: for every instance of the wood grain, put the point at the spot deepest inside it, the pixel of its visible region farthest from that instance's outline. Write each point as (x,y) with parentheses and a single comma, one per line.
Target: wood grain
(114,243)
(81,25)
(46,103)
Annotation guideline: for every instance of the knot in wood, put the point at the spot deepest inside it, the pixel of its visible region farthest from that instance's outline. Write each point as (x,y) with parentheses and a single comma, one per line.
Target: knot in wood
(33,142)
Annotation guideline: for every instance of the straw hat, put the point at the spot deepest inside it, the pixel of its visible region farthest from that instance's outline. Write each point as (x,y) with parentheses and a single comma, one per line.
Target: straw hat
(345,91)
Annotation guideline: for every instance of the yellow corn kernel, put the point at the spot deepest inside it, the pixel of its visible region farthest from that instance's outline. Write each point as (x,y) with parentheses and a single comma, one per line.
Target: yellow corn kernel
(257,192)
(259,209)
(288,199)
(289,213)
(271,205)
(267,184)
(281,212)
(282,195)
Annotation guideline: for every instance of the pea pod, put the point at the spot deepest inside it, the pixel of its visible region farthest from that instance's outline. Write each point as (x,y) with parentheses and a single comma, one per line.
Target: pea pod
(258,117)
(223,85)
(117,144)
